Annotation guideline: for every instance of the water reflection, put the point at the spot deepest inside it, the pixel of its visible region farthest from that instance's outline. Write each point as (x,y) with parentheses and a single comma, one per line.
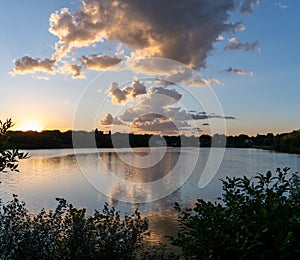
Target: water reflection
(139,175)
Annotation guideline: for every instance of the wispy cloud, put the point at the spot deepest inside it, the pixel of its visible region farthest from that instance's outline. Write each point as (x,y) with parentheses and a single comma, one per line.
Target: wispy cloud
(170,73)
(247,6)
(238,71)
(235,44)
(281,5)
(204,115)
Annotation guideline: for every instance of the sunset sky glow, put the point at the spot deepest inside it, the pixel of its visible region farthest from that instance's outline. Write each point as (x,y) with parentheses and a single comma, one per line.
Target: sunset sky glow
(245,51)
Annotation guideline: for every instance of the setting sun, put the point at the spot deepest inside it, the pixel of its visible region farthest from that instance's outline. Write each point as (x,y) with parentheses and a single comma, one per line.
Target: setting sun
(31,126)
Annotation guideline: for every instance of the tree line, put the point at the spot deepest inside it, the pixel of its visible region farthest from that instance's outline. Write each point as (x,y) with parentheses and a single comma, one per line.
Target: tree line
(286,142)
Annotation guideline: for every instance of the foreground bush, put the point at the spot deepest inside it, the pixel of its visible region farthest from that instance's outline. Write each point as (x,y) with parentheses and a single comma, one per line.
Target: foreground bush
(67,233)
(255,218)
(8,158)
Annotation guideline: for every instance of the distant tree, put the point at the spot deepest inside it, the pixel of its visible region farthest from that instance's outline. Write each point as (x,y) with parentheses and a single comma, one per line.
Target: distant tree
(8,156)
(288,142)
(269,140)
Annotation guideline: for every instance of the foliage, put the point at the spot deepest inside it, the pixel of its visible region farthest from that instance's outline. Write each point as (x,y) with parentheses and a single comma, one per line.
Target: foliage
(67,233)
(288,142)
(255,218)
(158,251)
(8,158)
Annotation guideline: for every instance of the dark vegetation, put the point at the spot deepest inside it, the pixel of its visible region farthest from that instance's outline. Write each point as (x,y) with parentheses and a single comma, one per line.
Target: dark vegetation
(287,142)
(8,158)
(255,218)
(68,233)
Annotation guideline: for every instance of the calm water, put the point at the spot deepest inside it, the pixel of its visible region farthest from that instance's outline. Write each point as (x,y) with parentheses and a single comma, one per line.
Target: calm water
(49,174)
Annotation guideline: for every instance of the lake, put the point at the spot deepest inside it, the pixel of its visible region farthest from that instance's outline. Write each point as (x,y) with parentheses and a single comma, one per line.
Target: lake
(130,179)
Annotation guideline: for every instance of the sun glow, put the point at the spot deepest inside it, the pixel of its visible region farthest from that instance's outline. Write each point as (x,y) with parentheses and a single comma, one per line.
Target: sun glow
(31,126)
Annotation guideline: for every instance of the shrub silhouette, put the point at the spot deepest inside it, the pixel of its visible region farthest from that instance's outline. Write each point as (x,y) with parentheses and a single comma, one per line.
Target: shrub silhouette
(257,217)
(67,233)
(8,158)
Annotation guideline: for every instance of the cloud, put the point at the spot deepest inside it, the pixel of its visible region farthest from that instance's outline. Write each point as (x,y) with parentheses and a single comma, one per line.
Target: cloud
(73,69)
(28,64)
(78,30)
(120,96)
(164,82)
(137,88)
(169,73)
(247,6)
(98,62)
(238,71)
(215,81)
(219,38)
(281,5)
(109,120)
(158,124)
(153,112)
(203,115)
(159,111)
(235,44)
(183,32)
(159,91)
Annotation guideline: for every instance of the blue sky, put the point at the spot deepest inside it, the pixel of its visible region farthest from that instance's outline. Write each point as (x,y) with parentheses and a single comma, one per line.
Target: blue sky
(255,81)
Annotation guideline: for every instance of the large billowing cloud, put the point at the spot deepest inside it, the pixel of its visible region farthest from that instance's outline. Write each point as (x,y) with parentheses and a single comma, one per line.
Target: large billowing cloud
(28,64)
(184,31)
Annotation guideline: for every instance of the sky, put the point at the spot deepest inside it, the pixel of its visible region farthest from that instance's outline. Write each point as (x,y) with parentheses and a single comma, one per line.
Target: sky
(161,66)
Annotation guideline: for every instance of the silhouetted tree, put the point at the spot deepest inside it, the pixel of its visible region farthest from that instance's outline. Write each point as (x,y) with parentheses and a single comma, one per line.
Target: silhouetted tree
(8,158)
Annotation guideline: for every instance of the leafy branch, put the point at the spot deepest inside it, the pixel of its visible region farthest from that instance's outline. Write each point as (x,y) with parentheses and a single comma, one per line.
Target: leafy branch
(9,156)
